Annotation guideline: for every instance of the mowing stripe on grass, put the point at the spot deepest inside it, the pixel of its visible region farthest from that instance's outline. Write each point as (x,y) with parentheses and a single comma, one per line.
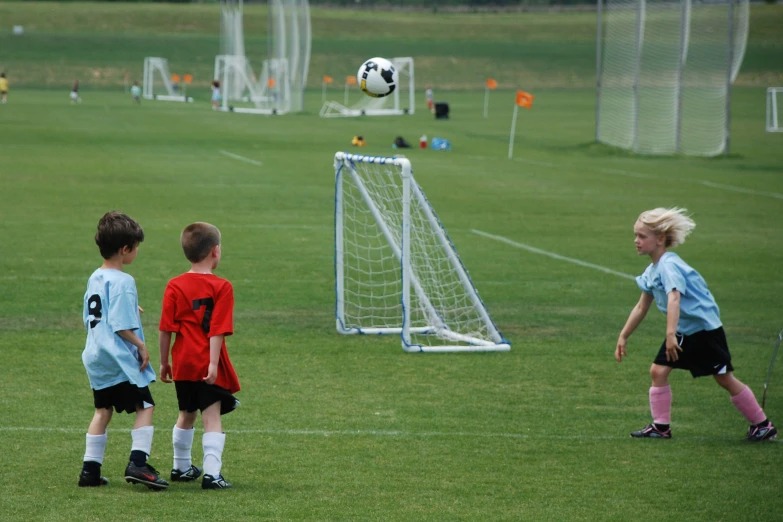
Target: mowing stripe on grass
(741,189)
(553,255)
(241,158)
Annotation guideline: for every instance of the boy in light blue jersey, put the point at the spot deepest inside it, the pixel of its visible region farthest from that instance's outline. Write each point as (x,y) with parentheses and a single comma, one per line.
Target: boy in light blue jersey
(135,91)
(115,356)
(695,340)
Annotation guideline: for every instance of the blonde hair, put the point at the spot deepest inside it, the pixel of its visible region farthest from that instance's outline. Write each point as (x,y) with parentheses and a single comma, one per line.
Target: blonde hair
(671,222)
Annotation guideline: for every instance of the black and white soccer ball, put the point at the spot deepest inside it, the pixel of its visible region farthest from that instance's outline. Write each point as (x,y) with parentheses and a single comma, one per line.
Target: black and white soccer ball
(377,77)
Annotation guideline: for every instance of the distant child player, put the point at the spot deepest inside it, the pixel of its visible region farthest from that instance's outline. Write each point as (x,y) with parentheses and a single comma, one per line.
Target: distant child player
(198,307)
(115,356)
(695,340)
(430,99)
(75,92)
(136,92)
(3,88)
(216,96)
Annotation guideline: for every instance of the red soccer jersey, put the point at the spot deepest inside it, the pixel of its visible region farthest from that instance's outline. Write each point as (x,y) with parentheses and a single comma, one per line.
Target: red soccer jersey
(195,308)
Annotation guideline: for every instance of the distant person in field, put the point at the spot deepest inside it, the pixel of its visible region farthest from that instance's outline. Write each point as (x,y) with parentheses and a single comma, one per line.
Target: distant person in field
(430,99)
(136,92)
(115,354)
(198,309)
(3,88)
(695,340)
(75,92)
(216,96)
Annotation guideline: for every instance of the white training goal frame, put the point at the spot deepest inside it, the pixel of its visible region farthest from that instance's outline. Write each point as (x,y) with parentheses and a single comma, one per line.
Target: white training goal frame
(159,67)
(396,269)
(238,83)
(395,104)
(773,123)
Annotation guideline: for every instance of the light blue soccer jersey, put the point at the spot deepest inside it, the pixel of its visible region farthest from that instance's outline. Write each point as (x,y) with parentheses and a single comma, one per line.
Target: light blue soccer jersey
(698,310)
(111,304)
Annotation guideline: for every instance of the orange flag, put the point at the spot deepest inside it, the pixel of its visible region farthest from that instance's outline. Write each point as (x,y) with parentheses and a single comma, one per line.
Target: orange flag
(271,83)
(492,84)
(350,80)
(525,99)
(328,79)
(188,78)
(175,78)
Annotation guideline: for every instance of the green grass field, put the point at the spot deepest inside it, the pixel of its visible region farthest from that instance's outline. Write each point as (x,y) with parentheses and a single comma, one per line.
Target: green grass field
(352,428)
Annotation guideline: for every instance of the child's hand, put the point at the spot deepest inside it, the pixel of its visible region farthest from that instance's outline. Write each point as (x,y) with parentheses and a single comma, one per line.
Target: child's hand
(165,372)
(211,374)
(141,310)
(672,346)
(144,357)
(619,350)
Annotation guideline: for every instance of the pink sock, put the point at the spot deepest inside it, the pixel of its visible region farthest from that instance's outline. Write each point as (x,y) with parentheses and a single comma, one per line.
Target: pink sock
(747,404)
(661,404)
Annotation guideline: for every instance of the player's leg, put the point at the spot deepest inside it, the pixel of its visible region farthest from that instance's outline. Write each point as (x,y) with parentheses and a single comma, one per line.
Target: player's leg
(138,470)
(660,404)
(213,442)
(745,401)
(183,469)
(95,448)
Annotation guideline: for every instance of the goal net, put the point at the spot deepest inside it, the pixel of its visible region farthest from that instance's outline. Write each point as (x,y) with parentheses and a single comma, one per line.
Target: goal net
(664,73)
(774,118)
(157,84)
(397,271)
(401,101)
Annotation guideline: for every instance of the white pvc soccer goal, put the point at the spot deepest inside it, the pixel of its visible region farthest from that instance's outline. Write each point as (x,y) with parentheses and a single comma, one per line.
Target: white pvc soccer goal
(157,84)
(401,101)
(774,119)
(397,271)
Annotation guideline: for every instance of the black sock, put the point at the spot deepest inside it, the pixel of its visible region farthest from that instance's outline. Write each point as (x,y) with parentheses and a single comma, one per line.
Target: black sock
(762,423)
(91,467)
(661,427)
(138,457)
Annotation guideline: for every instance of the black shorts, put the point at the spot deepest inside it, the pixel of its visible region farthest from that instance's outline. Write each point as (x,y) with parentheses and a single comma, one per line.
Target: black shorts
(197,395)
(124,396)
(703,353)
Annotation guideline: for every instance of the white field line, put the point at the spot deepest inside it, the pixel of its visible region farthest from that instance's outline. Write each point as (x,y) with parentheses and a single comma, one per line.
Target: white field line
(378,433)
(742,189)
(553,255)
(241,158)
(632,174)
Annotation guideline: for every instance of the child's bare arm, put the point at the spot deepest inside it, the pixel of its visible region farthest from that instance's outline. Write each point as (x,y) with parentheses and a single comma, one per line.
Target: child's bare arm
(638,313)
(131,337)
(215,344)
(672,319)
(164,343)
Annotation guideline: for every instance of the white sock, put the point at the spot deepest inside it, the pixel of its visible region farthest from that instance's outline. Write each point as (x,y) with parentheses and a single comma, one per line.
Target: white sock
(213,443)
(95,448)
(183,443)
(142,439)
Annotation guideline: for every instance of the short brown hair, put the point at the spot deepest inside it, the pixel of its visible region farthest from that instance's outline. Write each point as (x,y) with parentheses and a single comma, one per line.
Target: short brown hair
(117,230)
(198,240)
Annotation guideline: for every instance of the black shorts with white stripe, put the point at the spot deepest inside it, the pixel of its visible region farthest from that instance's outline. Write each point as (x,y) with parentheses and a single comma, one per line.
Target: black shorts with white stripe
(703,353)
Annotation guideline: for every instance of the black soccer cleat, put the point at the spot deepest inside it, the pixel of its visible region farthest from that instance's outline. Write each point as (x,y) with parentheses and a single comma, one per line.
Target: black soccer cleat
(146,475)
(189,475)
(216,482)
(90,480)
(651,431)
(758,433)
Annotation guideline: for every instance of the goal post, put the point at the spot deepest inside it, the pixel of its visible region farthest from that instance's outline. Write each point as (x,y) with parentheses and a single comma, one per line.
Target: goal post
(396,269)
(401,101)
(157,84)
(774,120)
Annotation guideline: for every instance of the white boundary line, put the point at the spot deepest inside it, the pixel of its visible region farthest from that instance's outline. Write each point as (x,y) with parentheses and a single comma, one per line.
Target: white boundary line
(553,255)
(381,433)
(741,189)
(241,158)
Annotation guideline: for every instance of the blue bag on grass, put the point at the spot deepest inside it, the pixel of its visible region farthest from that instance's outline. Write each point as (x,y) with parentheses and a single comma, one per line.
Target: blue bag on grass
(440,144)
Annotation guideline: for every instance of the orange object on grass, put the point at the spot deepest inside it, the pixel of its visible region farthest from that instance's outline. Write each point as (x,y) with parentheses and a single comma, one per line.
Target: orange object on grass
(492,84)
(525,99)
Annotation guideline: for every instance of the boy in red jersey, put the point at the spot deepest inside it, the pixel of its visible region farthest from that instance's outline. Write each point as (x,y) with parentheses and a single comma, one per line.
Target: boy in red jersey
(199,307)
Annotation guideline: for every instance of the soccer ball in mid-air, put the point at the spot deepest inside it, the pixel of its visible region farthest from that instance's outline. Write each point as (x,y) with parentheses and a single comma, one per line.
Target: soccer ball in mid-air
(377,77)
